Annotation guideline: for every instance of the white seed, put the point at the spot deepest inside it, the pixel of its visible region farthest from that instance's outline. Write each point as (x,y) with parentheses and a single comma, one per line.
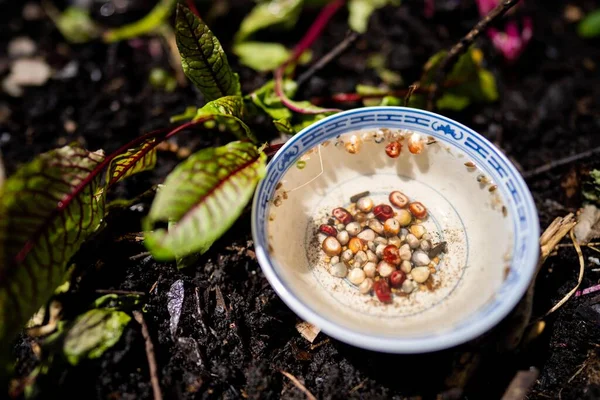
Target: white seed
(375,225)
(412,241)
(426,236)
(395,240)
(391,226)
(371,246)
(353,228)
(370,268)
(360,259)
(371,215)
(405,253)
(340,227)
(334,260)
(356,276)
(379,136)
(331,246)
(367,235)
(343,237)
(405,266)
(379,250)
(425,245)
(420,274)
(418,231)
(354,144)
(385,269)
(380,240)
(366,286)
(408,286)
(420,258)
(339,270)
(403,233)
(404,217)
(347,255)
(372,257)
(364,204)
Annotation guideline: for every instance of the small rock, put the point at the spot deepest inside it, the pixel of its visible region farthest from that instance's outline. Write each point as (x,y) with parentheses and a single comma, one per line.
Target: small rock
(405,266)
(26,72)
(420,258)
(339,270)
(395,241)
(334,260)
(367,235)
(380,240)
(379,250)
(347,255)
(420,274)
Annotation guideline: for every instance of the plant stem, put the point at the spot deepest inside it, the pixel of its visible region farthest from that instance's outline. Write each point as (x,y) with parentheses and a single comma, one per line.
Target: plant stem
(462,46)
(307,40)
(192,6)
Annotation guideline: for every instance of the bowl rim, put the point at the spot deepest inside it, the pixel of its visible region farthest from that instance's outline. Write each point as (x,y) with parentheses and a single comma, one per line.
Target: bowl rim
(475,327)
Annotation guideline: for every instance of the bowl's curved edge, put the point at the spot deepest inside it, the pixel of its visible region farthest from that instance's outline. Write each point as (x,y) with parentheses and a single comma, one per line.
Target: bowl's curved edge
(404,345)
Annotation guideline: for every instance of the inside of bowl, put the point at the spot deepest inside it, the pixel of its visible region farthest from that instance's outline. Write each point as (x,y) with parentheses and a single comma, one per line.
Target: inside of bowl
(465,210)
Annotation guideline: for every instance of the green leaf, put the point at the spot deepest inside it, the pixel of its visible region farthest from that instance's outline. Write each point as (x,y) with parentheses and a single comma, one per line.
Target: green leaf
(273,13)
(591,187)
(202,57)
(359,12)
(138,159)
(155,18)
(367,90)
(203,196)
(590,25)
(468,82)
(284,126)
(48,208)
(261,56)
(228,113)
(187,115)
(92,333)
(116,302)
(266,99)
(75,24)
(2,175)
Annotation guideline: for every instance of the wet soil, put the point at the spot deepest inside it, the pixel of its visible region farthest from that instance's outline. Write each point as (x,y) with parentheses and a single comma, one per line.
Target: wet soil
(235,334)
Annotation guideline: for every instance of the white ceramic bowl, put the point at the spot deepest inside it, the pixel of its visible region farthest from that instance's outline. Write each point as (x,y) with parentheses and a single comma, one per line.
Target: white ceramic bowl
(492,235)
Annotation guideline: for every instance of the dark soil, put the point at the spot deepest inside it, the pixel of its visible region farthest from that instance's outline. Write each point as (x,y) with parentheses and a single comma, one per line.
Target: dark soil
(236,335)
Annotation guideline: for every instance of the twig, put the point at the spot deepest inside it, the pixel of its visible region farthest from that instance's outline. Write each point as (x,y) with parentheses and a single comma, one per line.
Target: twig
(409,93)
(560,162)
(359,386)
(327,58)
(581,270)
(199,311)
(139,317)
(462,46)
(140,255)
(521,384)
(299,385)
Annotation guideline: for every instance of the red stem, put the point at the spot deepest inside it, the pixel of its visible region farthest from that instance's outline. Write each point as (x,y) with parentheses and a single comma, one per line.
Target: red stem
(192,6)
(315,29)
(22,254)
(307,40)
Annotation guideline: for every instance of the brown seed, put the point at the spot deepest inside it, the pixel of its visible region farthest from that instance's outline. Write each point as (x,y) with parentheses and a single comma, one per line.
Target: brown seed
(393,149)
(415,144)
(470,164)
(355,245)
(399,199)
(342,215)
(493,188)
(417,209)
(397,278)
(331,246)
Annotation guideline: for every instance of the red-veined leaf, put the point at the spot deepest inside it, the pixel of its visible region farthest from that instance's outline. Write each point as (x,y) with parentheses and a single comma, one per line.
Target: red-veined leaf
(202,198)
(137,159)
(48,208)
